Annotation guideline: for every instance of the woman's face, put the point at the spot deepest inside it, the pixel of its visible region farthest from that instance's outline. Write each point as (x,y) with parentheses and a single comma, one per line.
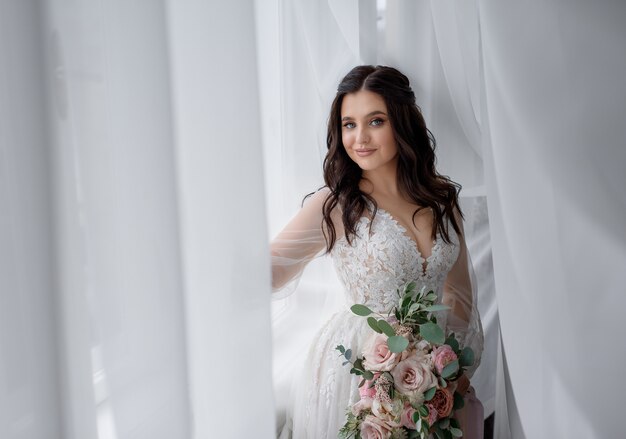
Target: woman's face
(366,131)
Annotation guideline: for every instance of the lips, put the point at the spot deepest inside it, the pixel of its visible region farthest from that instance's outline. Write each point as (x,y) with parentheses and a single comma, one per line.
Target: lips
(364,152)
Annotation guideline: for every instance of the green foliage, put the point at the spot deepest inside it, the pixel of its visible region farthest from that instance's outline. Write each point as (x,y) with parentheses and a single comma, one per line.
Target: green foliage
(456,432)
(351,428)
(432,333)
(386,328)
(452,341)
(423,411)
(361,310)
(428,395)
(450,370)
(397,344)
(437,307)
(374,324)
(467,357)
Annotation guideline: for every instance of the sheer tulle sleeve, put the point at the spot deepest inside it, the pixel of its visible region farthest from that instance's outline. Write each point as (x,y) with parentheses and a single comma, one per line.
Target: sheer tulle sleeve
(459,292)
(297,244)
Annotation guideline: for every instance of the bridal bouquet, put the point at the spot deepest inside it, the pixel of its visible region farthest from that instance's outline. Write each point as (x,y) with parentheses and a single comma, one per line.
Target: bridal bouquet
(408,371)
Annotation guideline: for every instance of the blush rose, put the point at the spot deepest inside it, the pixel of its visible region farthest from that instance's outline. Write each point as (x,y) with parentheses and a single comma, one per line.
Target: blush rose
(377,355)
(374,428)
(413,375)
(407,416)
(442,356)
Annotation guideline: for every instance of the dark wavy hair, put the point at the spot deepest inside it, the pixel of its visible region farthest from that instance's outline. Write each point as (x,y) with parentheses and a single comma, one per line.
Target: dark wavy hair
(418,179)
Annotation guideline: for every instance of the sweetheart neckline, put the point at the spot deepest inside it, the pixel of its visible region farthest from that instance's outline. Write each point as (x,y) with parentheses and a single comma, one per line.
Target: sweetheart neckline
(424,263)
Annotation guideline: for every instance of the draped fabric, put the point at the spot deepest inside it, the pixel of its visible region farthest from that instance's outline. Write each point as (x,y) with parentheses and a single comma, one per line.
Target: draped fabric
(555,105)
(148,150)
(131,304)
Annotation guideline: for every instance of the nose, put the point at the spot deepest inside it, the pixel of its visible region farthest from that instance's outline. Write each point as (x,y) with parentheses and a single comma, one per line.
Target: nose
(362,137)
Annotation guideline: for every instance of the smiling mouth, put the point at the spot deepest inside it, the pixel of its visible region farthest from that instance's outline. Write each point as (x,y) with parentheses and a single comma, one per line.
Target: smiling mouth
(364,152)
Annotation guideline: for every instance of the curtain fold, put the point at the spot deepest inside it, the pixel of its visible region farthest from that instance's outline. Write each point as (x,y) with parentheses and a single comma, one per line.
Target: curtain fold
(215,101)
(555,106)
(29,350)
(135,291)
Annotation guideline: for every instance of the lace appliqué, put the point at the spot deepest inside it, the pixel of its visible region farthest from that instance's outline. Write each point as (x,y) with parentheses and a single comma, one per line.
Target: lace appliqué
(375,265)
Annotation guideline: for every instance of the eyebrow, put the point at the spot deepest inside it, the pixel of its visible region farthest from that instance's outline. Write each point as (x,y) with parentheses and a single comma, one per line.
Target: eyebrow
(367,115)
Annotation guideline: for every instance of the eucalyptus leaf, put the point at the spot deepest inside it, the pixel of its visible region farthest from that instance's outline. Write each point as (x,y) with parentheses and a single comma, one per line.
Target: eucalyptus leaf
(450,369)
(361,310)
(436,307)
(452,342)
(444,423)
(397,344)
(456,432)
(374,324)
(368,375)
(432,333)
(345,362)
(341,349)
(428,395)
(431,297)
(467,357)
(362,382)
(442,383)
(348,354)
(386,328)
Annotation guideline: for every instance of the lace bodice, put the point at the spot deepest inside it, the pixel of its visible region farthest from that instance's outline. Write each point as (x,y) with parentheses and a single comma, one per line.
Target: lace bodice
(376,264)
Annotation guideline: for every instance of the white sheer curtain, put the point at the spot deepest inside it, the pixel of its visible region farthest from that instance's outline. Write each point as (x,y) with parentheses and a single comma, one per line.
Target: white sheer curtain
(134,298)
(556,103)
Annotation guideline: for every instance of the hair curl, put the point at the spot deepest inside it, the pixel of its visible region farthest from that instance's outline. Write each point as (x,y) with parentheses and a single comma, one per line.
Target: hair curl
(417,177)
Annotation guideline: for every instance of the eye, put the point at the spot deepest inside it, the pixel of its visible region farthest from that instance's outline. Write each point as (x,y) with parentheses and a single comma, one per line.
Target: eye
(376,122)
(349,125)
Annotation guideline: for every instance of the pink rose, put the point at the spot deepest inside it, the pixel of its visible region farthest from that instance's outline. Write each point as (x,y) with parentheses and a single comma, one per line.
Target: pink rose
(363,404)
(374,428)
(365,391)
(407,417)
(377,355)
(413,375)
(442,402)
(442,356)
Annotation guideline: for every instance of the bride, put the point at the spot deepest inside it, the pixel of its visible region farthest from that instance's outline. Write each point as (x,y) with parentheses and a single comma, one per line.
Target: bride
(386,217)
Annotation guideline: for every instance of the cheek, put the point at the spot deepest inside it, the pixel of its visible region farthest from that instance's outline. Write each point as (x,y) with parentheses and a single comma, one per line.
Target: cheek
(347,139)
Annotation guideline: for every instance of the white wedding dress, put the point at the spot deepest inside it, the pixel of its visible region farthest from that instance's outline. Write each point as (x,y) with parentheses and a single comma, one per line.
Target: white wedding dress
(371,269)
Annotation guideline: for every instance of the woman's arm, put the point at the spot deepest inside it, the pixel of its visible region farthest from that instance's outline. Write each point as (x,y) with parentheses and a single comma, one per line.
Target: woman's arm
(300,241)
(459,293)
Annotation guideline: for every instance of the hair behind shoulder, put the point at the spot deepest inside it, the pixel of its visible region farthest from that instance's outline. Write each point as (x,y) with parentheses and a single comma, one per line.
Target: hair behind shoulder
(417,177)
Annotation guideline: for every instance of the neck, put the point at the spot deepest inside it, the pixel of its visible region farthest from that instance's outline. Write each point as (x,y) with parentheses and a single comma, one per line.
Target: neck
(381,181)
